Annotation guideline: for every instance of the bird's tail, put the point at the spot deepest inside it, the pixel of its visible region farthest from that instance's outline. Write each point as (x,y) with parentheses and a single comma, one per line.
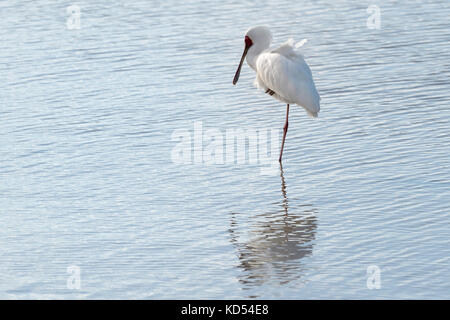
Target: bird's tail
(312,113)
(313,109)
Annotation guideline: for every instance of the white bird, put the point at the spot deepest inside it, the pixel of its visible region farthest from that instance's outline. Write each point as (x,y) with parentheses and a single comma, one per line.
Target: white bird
(281,72)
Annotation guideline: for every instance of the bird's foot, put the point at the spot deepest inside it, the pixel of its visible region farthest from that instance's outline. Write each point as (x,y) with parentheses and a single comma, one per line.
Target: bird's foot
(270,91)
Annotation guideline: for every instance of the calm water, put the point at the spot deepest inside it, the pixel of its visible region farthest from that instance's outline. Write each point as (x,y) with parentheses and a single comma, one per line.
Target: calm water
(87,177)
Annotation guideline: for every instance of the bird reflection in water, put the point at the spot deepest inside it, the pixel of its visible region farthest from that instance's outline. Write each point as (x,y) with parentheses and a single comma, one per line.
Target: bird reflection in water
(272,247)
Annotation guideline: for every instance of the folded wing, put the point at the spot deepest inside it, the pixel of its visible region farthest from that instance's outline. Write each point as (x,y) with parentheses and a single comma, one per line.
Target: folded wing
(285,71)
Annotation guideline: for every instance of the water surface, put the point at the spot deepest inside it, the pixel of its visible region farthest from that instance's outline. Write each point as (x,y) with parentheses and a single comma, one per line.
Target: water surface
(87,177)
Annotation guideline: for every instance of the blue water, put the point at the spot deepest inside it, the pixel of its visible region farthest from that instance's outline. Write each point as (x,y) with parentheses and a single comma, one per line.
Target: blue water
(88,178)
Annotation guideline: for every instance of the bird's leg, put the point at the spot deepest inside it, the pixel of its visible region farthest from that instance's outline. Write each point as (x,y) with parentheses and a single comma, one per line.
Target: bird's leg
(285,129)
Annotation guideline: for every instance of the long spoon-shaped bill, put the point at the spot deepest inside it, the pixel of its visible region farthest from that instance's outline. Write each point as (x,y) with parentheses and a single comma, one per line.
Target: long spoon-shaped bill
(238,71)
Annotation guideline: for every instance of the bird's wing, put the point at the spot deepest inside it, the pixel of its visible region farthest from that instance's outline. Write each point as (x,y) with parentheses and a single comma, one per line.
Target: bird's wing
(284,71)
(287,49)
(301,43)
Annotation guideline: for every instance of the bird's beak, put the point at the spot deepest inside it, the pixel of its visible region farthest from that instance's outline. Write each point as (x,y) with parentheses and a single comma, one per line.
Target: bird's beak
(238,71)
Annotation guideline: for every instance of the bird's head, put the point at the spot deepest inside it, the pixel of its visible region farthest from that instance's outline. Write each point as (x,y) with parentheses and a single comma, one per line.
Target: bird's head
(258,37)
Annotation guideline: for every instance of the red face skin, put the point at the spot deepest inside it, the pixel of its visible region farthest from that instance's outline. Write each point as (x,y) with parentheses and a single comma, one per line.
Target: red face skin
(248,44)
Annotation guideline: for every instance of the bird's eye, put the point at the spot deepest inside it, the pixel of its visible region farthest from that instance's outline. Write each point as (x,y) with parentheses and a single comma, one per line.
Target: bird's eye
(248,41)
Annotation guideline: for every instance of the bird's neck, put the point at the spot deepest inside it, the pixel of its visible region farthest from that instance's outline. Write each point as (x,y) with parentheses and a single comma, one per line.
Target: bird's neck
(253,54)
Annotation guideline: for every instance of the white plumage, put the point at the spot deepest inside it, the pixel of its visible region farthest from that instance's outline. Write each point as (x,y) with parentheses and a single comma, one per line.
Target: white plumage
(281,72)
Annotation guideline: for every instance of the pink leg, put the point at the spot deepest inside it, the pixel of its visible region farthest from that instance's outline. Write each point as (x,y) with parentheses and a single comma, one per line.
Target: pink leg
(286,125)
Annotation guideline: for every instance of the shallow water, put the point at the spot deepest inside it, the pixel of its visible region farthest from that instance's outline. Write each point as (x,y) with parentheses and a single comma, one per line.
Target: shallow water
(88,177)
